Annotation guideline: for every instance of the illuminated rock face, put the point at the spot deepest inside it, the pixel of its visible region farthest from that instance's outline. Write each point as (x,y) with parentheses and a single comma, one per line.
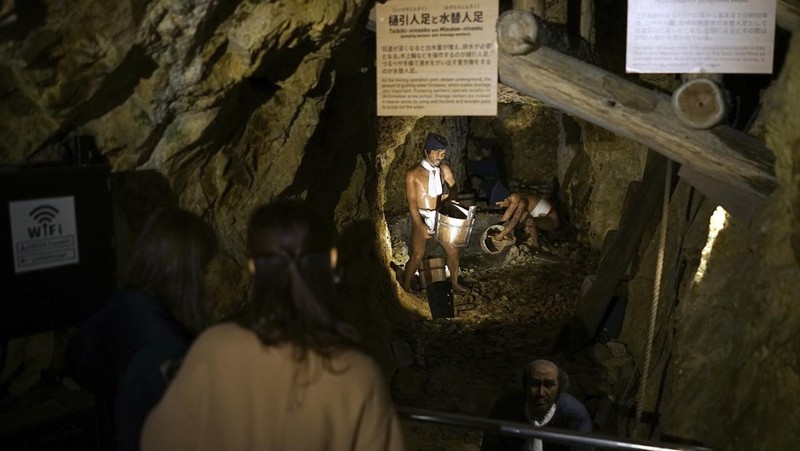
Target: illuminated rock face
(725,343)
(762,301)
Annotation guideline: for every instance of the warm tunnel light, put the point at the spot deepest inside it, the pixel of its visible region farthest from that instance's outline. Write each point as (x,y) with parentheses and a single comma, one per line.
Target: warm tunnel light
(717,223)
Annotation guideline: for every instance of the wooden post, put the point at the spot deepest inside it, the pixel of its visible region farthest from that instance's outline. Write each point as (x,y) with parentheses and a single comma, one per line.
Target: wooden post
(587,21)
(519,33)
(700,102)
(641,209)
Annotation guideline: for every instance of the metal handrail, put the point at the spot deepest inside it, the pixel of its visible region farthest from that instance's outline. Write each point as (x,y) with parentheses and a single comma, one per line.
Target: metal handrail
(544,433)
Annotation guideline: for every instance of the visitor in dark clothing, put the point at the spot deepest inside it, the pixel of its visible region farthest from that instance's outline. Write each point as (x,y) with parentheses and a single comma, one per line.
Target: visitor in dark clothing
(543,403)
(124,354)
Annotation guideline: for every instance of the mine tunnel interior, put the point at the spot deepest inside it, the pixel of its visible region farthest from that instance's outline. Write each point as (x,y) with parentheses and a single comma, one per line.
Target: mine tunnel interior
(450,352)
(518,300)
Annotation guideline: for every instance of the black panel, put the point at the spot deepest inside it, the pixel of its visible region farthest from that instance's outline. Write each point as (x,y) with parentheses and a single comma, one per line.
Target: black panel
(49,298)
(440,299)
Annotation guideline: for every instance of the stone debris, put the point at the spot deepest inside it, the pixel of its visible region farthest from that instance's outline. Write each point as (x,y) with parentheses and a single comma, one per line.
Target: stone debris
(514,308)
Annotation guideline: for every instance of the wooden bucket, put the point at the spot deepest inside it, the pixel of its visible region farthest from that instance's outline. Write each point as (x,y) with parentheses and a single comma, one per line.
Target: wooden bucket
(454,224)
(432,270)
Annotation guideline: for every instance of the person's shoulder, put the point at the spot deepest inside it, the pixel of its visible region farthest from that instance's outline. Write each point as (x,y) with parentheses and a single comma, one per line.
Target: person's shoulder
(358,365)
(228,330)
(417,174)
(359,358)
(135,303)
(223,336)
(415,170)
(571,405)
(123,312)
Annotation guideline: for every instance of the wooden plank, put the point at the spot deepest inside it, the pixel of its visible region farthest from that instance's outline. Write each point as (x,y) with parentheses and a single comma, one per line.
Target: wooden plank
(640,210)
(637,113)
(587,30)
(741,204)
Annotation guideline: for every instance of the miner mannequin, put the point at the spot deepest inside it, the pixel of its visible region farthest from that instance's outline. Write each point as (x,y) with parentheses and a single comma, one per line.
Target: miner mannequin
(537,213)
(424,190)
(543,402)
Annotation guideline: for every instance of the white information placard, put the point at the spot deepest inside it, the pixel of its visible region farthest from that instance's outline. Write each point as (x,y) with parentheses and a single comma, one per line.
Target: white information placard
(437,57)
(700,36)
(44,233)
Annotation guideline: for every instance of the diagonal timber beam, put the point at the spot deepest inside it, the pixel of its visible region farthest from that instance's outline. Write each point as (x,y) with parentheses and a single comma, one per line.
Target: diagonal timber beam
(628,109)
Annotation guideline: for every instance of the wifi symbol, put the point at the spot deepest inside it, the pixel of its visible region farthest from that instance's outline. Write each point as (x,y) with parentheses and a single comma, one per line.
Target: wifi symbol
(44,214)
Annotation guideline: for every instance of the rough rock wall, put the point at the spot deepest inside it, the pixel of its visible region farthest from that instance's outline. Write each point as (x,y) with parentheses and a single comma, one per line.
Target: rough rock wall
(527,137)
(542,147)
(687,233)
(727,371)
(225,99)
(615,162)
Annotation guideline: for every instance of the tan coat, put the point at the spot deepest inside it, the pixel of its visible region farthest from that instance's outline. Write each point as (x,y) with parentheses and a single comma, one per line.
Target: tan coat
(233,393)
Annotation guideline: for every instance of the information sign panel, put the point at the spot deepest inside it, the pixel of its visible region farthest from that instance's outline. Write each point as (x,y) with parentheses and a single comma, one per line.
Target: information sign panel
(437,57)
(700,36)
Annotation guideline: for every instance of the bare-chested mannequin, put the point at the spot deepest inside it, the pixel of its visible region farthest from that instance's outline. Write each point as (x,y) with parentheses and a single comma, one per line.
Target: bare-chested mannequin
(536,212)
(423,197)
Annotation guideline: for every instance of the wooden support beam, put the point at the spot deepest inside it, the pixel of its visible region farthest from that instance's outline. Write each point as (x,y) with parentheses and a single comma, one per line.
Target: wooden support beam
(637,113)
(587,21)
(641,211)
(741,205)
(519,34)
(700,102)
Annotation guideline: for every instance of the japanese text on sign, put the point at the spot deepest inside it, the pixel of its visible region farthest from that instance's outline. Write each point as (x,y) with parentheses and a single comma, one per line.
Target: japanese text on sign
(693,36)
(437,58)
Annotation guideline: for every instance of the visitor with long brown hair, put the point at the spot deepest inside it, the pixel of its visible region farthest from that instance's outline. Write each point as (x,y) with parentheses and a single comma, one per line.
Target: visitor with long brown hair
(290,376)
(125,352)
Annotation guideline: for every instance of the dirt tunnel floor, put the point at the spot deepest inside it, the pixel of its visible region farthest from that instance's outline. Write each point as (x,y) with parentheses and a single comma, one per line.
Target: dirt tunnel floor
(514,310)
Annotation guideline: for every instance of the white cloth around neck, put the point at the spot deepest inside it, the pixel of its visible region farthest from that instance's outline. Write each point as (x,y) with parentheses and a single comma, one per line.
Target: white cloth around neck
(434,178)
(536,444)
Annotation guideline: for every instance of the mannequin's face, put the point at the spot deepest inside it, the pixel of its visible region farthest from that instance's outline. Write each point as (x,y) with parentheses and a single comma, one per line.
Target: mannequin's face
(542,389)
(435,157)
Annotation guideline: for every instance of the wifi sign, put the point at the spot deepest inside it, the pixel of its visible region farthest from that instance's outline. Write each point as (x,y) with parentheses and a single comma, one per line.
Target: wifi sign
(44,216)
(44,233)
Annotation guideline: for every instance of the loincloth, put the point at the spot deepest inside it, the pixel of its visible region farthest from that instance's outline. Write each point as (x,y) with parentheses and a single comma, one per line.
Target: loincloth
(542,209)
(429,218)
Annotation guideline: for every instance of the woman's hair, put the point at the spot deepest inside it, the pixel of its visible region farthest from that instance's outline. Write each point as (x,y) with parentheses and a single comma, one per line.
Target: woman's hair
(169,261)
(294,297)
